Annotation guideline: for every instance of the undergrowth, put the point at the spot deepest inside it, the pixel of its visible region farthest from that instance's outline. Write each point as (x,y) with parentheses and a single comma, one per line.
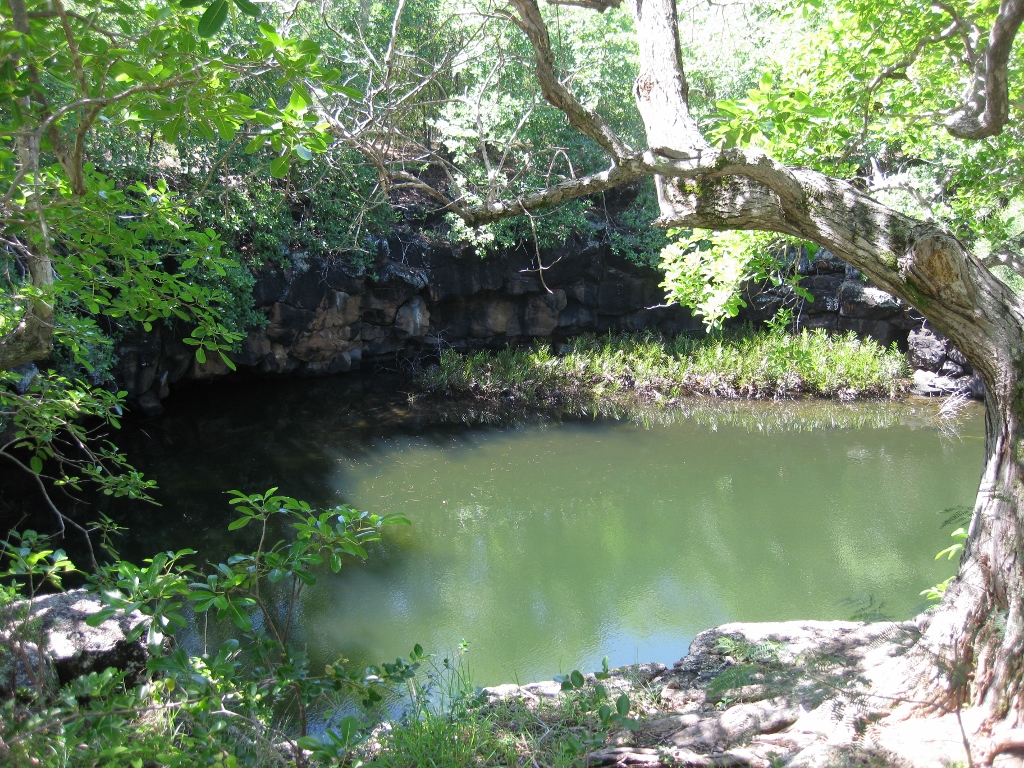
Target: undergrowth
(588,369)
(471,728)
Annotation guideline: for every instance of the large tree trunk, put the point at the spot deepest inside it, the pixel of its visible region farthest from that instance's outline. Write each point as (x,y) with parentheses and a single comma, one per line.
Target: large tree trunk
(976,639)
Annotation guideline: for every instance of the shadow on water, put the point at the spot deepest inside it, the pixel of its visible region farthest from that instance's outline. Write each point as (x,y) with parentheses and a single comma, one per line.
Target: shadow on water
(548,542)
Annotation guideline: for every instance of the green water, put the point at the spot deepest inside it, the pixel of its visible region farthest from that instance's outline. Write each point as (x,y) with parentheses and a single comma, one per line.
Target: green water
(550,545)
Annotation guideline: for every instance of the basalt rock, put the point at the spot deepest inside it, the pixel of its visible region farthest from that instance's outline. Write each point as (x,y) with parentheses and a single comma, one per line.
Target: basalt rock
(419,298)
(926,349)
(54,626)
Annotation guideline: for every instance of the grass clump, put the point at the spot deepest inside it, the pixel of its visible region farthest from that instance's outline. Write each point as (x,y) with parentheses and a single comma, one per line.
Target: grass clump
(476,728)
(647,366)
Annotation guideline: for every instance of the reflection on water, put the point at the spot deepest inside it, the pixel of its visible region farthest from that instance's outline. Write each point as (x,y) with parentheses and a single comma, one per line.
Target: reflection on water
(549,545)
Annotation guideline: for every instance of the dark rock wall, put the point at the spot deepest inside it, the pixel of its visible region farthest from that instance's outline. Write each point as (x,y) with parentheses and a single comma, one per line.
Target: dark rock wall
(326,318)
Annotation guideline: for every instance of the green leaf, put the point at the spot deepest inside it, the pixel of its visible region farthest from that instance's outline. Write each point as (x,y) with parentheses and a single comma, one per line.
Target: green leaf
(270,33)
(225,129)
(100,616)
(255,143)
(303,152)
(250,9)
(309,742)
(622,705)
(240,617)
(279,166)
(200,355)
(191,3)
(213,19)
(171,129)
(238,524)
(36,464)
(296,103)
(576,678)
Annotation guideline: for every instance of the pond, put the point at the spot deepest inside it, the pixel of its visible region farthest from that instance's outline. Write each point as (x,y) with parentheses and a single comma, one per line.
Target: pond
(547,545)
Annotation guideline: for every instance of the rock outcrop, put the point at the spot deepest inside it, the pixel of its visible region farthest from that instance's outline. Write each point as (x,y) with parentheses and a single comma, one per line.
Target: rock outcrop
(939,367)
(804,694)
(420,298)
(47,641)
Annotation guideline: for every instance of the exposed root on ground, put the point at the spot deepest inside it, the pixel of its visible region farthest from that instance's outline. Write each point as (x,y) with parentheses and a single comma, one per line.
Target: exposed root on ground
(803,694)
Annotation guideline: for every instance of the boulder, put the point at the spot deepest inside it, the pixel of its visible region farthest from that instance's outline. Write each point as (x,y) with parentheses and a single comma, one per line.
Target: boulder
(55,626)
(586,293)
(491,317)
(27,373)
(882,331)
(540,315)
(337,310)
(381,304)
(958,357)
(414,277)
(255,347)
(277,360)
(576,317)
(378,340)
(765,300)
(518,284)
(827,322)
(951,369)
(177,359)
(322,345)
(926,349)
(620,293)
(149,403)
(451,276)
(271,286)
(307,287)
(213,368)
(824,290)
(287,322)
(930,384)
(412,319)
(826,262)
(865,302)
(139,357)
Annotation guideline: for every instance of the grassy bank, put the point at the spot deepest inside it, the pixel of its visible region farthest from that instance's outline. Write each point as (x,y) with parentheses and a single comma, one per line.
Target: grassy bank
(649,367)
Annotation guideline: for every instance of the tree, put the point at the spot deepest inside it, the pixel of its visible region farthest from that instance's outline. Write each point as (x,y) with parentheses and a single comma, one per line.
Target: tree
(724,185)
(89,248)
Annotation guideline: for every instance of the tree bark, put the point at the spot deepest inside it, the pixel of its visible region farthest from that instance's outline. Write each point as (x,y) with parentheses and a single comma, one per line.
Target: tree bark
(975,640)
(32,337)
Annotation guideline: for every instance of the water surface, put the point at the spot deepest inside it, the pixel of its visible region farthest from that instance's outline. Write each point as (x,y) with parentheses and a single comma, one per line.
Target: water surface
(549,545)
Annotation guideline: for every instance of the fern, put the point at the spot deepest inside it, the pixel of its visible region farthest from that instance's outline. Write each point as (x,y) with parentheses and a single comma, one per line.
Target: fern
(734,677)
(764,652)
(959,515)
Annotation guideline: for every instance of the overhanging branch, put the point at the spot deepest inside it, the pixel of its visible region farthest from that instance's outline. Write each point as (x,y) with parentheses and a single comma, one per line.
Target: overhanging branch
(987,104)
(528,18)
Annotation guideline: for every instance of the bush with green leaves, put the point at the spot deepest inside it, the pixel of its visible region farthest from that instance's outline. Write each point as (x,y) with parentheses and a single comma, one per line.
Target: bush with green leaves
(244,702)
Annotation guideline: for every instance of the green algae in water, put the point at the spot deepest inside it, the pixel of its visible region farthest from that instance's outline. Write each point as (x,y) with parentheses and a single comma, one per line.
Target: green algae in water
(548,545)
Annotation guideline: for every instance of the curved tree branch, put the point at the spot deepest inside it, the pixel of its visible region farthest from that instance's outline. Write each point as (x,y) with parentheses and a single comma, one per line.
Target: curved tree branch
(987,105)
(530,21)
